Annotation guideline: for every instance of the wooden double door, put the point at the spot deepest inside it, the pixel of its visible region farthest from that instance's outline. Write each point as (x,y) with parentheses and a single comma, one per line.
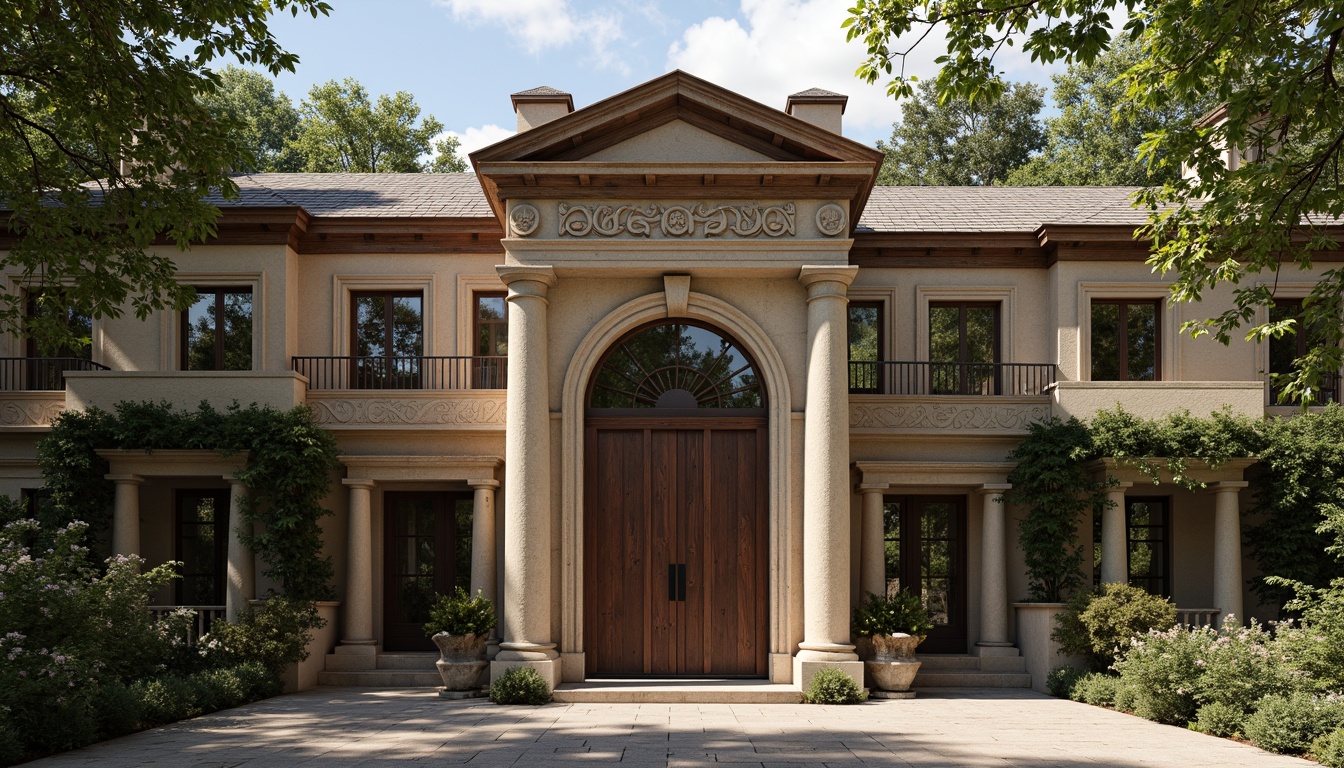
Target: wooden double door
(675,547)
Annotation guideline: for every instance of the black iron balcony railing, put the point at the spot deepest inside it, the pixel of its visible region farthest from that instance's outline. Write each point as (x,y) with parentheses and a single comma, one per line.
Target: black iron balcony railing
(1327,392)
(378,372)
(43,374)
(890,377)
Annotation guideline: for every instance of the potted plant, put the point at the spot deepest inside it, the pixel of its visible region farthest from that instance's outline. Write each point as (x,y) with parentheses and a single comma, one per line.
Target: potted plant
(894,624)
(459,625)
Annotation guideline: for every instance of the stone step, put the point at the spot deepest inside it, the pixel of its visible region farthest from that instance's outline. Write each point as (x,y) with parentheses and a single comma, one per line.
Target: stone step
(970,679)
(948,661)
(967,663)
(381,678)
(421,661)
(677,692)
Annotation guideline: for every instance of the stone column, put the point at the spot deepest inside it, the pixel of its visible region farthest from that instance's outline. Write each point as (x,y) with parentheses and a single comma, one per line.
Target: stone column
(1115,537)
(126,514)
(1227,582)
(826,488)
(993,571)
(527,478)
(357,635)
(484,570)
(873,557)
(241,579)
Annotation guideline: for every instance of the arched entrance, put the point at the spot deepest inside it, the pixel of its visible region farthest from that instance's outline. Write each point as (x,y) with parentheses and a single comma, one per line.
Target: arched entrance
(676,516)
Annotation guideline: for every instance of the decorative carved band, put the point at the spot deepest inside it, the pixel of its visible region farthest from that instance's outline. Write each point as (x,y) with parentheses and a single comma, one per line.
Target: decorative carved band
(408,411)
(970,417)
(677,220)
(31,413)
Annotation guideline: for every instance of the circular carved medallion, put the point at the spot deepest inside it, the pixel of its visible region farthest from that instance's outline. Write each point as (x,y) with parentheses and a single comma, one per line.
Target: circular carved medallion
(830,219)
(524,219)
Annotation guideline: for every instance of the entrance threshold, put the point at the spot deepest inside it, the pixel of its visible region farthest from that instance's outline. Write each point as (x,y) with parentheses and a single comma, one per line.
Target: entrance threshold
(676,691)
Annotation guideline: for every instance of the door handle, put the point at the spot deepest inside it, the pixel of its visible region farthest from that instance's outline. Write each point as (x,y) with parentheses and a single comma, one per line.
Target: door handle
(676,582)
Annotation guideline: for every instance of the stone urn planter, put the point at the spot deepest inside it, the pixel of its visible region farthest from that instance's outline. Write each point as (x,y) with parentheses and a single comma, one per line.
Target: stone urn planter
(461,661)
(893,666)
(459,624)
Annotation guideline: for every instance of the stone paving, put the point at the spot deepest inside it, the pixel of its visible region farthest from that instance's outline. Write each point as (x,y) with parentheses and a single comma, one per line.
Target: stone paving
(409,727)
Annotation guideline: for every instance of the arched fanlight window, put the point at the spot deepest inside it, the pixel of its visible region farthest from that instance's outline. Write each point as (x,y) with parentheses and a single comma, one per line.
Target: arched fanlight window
(676,365)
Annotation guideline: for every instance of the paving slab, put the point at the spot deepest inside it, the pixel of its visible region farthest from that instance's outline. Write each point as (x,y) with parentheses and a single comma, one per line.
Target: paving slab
(950,728)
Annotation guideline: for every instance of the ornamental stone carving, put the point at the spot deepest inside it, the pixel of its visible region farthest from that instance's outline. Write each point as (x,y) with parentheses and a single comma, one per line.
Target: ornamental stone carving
(385,411)
(524,219)
(969,417)
(31,413)
(831,219)
(673,221)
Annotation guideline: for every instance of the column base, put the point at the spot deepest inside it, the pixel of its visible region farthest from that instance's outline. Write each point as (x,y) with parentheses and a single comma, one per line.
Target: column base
(526,652)
(985,648)
(548,669)
(573,667)
(804,670)
(357,647)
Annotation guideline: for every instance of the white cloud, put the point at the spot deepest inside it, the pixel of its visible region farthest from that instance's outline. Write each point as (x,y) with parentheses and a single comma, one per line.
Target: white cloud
(786,46)
(473,139)
(538,25)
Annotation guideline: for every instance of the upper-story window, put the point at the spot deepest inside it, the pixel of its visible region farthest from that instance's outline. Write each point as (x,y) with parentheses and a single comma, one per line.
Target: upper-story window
(1285,350)
(79,325)
(865,346)
(490,330)
(1125,339)
(963,347)
(216,330)
(389,339)
(44,365)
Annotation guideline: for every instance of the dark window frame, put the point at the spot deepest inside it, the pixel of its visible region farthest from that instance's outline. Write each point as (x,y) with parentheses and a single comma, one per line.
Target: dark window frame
(221,526)
(951,637)
(1166,531)
(477,322)
(1122,351)
(388,315)
(965,383)
(870,382)
(1330,389)
(184,327)
(30,309)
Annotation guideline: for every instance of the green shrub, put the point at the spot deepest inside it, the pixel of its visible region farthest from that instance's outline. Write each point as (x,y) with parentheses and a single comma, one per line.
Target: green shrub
(276,634)
(1289,724)
(1061,680)
(461,614)
(890,614)
(118,710)
(1099,621)
(1163,671)
(164,699)
(1329,749)
(831,686)
(1097,689)
(258,681)
(1241,666)
(520,685)
(1125,698)
(1219,719)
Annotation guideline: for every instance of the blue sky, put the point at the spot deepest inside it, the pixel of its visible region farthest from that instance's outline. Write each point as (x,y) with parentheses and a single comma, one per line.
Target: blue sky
(462,58)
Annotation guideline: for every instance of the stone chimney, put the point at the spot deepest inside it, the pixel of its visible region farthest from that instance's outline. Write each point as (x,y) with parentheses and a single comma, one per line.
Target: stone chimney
(536,106)
(818,107)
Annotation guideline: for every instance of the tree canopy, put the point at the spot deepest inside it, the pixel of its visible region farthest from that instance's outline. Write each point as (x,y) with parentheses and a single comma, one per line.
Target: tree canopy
(343,130)
(1095,138)
(267,119)
(1274,70)
(105,146)
(957,143)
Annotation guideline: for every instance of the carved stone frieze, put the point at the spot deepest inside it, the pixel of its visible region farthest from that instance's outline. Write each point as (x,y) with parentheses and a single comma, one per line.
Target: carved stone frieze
(31,413)
(524,219)
(396,411)
(950,416)
(692,220)
(831,219)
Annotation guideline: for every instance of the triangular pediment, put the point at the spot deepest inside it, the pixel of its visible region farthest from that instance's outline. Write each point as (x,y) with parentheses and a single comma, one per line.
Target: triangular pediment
(682,137)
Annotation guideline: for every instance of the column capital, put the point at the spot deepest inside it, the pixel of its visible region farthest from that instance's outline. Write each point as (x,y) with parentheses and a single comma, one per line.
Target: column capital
(518,279)
(358,483)
(482,484)
(816,278)
(1227,486)
(1119,486)
(994,488)
(873,487)
(124,479)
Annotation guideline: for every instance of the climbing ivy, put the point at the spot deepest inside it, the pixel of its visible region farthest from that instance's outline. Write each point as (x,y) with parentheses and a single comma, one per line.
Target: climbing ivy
(289,469)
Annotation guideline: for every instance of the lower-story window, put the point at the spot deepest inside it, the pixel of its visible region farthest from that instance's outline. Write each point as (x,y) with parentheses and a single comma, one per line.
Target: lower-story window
(202,539)
(1147,544)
